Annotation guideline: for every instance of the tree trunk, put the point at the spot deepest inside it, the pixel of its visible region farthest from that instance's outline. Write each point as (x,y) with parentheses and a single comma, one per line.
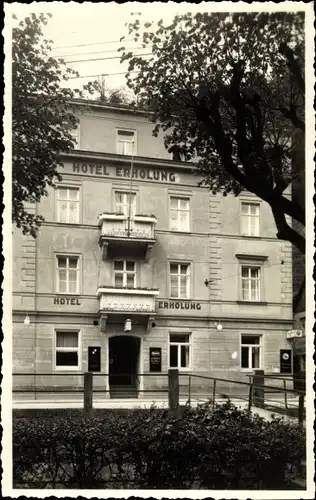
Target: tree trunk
(286,232)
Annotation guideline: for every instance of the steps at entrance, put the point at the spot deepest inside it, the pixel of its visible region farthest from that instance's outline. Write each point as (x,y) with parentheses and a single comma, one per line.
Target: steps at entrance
(123,391)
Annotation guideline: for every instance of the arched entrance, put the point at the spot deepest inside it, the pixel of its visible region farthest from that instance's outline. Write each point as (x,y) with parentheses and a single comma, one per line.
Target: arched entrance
(124,359)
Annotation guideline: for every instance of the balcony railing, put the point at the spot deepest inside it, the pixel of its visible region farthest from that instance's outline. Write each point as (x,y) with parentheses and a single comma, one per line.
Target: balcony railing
(138,230)
(137,300)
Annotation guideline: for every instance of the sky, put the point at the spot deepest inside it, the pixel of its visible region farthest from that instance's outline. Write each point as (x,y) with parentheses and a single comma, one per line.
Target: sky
(92,30)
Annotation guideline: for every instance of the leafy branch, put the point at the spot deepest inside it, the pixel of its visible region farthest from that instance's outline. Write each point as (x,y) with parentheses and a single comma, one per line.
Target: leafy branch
(228,93)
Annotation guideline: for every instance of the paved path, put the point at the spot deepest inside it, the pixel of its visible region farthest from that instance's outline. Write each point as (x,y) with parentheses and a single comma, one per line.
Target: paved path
(135,403)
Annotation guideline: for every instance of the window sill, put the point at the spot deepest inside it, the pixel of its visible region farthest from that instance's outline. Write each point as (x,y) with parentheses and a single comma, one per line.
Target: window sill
(68,369)
(182,370)
(177,231)
(180,298)
(68,294)
(68,223)
(249,370)
(127,155)
(252,302)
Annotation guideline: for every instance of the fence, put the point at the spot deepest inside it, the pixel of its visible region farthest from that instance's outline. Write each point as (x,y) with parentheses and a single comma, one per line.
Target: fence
(76,387)
(253,392)
(37,385)
(288,390)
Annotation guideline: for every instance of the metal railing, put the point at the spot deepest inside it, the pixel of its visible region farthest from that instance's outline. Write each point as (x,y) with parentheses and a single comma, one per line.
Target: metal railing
(72,386)
(284,390)
(253,392)
(214,394)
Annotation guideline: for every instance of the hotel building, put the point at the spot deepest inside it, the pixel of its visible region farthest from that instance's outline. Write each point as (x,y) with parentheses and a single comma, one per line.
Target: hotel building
(137,269)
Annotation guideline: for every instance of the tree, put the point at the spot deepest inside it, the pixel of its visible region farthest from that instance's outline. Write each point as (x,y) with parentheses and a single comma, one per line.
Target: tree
(228,93)
(42,118)
(118,96)
(109,95)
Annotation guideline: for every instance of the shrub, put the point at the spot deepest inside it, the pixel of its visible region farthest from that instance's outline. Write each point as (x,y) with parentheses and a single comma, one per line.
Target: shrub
(205,447)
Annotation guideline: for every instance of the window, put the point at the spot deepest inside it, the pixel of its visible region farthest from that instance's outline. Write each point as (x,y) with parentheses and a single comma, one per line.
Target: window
(179,350)
(250,283)
(250,219)
(67,274)
(126,142)
(123,201)
(75,135)
(179,280)
(250,351)
(68,205)
(179,214)
(124,273)
(67,350)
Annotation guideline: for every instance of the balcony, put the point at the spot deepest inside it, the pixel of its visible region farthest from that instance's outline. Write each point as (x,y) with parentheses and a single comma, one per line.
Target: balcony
(121,303)
(134,234)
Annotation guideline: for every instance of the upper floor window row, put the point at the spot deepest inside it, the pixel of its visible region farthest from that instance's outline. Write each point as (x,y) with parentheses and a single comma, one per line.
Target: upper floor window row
(67,274)
(125,203)
(179,280)
(251,283)
(250,219)
(126,142)
(179,213)
(125,273)
(68,204)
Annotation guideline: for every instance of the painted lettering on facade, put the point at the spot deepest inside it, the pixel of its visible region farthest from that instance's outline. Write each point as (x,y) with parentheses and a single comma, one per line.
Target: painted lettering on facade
(61,301)
(125,172)
(179,305)
(90,168)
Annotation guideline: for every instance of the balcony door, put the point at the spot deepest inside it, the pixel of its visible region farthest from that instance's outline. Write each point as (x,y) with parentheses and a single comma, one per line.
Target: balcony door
(124,353)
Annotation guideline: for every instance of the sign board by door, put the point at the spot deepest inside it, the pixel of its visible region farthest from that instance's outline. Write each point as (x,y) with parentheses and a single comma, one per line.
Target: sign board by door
(285,361)
(155,359)
(292,334)
(94,359)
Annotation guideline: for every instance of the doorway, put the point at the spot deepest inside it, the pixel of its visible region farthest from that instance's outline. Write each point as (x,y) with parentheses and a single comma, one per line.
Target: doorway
(124,354)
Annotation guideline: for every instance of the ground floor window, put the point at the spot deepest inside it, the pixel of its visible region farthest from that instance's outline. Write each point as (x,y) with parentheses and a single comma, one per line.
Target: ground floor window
(251,351)
(67,350)
(179,350)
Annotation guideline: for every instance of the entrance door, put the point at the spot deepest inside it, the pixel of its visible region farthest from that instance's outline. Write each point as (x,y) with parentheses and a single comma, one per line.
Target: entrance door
(123,360)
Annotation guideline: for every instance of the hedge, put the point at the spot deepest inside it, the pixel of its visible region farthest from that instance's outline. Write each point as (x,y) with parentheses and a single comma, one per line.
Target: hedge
(210,448)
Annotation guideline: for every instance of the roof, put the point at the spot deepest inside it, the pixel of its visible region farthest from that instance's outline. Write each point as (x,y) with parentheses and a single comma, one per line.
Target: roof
(123,108)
